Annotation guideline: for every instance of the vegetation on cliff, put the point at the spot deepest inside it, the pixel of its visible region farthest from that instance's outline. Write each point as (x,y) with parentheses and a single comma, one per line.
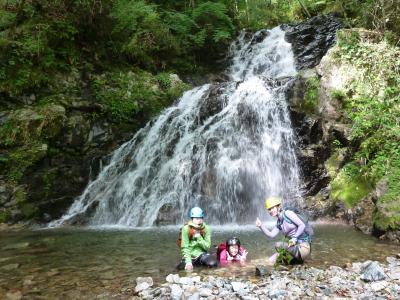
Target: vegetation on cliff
(371,100)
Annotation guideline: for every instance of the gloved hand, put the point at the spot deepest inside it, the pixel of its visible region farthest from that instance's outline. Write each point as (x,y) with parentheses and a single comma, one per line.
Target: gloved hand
(292,242)
(189,267)
(244,256)
(258,223)
(197,235)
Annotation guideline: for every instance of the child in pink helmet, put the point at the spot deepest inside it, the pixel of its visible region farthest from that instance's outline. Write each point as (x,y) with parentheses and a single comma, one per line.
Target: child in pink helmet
(233,252)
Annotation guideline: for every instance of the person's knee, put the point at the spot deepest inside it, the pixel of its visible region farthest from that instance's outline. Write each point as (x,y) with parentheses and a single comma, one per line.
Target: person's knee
(212,264)
(280,245)
(211,261)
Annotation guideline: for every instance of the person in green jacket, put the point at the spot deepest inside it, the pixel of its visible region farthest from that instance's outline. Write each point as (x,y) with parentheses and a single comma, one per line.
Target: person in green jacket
(195,242)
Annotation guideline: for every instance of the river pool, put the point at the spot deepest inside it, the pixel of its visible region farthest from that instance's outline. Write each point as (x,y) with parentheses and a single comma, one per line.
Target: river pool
(78,263)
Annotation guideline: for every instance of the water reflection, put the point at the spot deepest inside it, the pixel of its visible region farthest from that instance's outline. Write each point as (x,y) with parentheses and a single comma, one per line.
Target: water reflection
(77,263)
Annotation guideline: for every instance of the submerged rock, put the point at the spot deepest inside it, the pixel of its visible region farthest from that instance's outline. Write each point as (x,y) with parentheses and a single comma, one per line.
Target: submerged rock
(16,246)
(262,271)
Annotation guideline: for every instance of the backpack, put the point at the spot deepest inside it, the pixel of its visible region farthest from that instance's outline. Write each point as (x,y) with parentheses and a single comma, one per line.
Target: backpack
(221,247)
(308,231)
(192,231)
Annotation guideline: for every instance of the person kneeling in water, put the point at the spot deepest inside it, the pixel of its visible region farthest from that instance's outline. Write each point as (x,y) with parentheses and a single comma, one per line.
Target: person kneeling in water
(196,240)
(292,226)
(233,252)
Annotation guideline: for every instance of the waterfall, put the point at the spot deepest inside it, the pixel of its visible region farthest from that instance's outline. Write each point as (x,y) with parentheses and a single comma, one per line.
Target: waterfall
(224,147)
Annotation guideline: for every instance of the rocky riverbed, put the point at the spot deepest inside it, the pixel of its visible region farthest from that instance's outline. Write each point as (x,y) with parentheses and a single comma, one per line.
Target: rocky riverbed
(360,280)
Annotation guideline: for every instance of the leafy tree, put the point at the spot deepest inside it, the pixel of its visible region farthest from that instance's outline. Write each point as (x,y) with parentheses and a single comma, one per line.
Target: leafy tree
(145,39)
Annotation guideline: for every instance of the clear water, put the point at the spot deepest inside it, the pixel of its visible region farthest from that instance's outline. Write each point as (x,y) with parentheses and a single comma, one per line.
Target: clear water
(85,263)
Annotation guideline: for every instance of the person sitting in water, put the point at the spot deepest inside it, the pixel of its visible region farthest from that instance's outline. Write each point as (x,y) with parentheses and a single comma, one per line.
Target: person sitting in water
(195,242)
(233,252)
(292,226)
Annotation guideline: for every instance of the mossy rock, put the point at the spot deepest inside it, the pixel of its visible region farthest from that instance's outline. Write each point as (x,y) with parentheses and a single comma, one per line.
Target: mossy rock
(335,161)
(4,215)
(22,158)
(311,97)
(27,125)
(387,216)
(28,210)
(349,186)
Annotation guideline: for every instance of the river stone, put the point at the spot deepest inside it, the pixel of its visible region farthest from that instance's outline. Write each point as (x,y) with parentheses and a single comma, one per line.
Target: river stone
(247,297)
(392,260)
(219,283)
(205,292)
(394,273)
(372,272)
(14,295)
(278,284)
(3,259)
(237,286)
(195,296)
(186,281)
(277,293)
(176,292)
(173,278)
(228,287)
(146,294)
(223,294)
(10,267)
(148,280)
(378,286)
(262,271)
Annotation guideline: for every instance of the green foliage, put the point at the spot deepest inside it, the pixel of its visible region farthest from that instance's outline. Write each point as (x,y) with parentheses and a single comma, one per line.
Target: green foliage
(164,80)
(214,24)
(4,215)
(39,38)
(284,256)
(311,97)
(145,37)
(338,95)
(126,94)
(121,93)
(388,214)
(371,100)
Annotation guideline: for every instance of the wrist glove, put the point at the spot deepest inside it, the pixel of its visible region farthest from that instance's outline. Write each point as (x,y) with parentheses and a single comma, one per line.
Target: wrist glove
(188,267)
(292,241)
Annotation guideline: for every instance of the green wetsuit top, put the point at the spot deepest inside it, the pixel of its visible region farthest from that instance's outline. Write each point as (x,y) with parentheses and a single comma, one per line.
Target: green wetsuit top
(192,248)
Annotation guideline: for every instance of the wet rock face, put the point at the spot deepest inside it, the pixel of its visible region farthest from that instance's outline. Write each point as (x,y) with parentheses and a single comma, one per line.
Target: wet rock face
(311,39)
(213,102)
(167,213)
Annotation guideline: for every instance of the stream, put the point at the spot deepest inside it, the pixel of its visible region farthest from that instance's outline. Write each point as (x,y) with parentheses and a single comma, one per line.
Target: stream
(72,263)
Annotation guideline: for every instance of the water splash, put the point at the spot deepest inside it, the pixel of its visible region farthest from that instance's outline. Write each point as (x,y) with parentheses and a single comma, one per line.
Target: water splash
(222,146)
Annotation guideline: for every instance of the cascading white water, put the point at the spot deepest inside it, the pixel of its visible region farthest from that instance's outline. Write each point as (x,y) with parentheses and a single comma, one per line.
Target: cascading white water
(223,147)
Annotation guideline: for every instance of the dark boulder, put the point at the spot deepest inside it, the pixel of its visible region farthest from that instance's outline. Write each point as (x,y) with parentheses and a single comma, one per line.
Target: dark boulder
(312,38)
